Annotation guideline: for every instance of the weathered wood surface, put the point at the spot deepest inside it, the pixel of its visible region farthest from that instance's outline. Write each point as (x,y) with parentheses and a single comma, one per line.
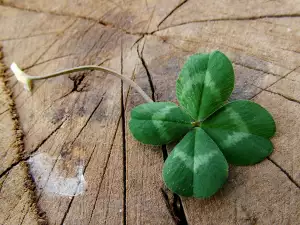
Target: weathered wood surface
(81,119)
(17,196)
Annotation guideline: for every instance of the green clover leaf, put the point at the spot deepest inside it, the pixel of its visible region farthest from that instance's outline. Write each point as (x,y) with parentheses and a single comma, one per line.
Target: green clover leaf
(204,84)
(196,166)
(159,123)
(216,132)
(242,130)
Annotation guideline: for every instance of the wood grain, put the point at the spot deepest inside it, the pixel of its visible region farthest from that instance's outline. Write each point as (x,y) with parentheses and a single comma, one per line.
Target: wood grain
(81,119)
(17,190)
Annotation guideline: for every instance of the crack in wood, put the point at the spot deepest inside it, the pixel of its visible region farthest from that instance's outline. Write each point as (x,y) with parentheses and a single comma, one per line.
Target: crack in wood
(123,122)
(284,76)
(174,206)
(77,80)
(96,42)
(107,209)
(137,41)
(257,69)
(9,5)
(3,182)
(103,23)
(249,18)
(89,118)
(82,128)
(286,97)
(178,210)
(285,172)
(45,139)
(166,198)
(140,54)
(4,111)
(290,50)
(104,171)
(67,211)
(290,79)
(25,214)
(164,152)
(143,34)
(48,48)
(164,39)
(289,99)
(81,36)
(172,12)
(46,61)
(5,172)
(29,36)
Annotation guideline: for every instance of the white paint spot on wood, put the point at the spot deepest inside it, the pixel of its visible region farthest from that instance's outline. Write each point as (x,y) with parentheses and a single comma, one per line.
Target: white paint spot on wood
(50,180)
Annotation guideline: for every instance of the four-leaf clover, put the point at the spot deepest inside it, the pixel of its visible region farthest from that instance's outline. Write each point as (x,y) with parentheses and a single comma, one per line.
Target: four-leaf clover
(215,132)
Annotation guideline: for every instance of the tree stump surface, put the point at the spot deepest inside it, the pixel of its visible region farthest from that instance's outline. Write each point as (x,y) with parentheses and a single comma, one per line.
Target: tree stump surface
(86,166)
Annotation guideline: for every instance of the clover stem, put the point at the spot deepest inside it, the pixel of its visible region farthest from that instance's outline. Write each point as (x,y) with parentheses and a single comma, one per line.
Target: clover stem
(27,80)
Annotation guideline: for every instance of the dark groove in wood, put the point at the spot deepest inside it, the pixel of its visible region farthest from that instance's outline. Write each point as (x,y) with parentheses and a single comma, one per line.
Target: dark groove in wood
(267,16)
(285,172)
(164,152)
(89,118)
(286,97)
(172,11)
(169,206)
(103,23)
(148,74)
(178,210)
(104,169)
(174,206)
(265,89)
(45,139)
(123,122)
(10,168)
(257,69)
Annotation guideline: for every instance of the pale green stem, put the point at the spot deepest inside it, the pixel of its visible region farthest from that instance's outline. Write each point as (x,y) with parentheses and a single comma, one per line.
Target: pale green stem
(27,80)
